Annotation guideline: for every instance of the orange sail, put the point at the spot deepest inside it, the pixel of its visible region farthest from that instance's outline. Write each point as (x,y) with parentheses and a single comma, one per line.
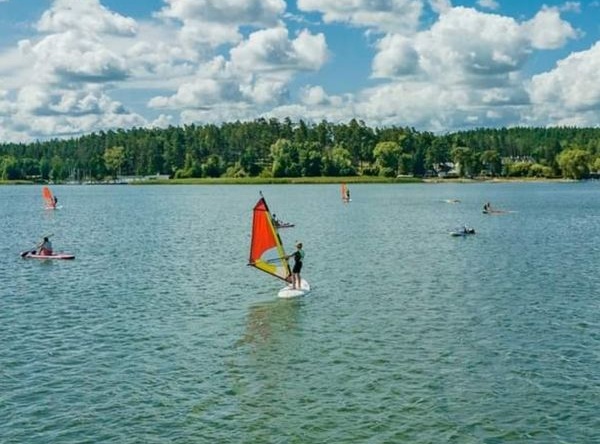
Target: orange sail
(48,197)
(345,193)
(266,249)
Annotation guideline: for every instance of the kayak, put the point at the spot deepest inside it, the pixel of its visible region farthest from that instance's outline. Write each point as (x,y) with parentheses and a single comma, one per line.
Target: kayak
(34,255)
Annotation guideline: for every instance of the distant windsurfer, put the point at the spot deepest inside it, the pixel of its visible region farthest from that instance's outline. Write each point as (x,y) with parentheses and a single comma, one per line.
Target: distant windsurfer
(298,256)
(347,194)
(55,201)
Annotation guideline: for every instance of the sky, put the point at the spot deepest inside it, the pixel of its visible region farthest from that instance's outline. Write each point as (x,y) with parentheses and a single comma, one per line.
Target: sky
(72,67)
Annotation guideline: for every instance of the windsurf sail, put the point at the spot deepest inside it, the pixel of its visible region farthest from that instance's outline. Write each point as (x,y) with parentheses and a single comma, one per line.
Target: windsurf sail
(345,193)
(48,197)
(266,249)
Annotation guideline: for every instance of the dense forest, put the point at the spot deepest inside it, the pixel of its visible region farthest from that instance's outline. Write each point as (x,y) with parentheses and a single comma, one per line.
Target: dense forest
(274,148)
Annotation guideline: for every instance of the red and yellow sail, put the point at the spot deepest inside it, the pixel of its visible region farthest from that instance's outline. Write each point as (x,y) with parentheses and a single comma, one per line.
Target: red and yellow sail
(344,191)
(266,250)
(48,197)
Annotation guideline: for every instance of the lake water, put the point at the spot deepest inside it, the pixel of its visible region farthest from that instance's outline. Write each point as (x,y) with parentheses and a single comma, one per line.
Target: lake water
(159,332)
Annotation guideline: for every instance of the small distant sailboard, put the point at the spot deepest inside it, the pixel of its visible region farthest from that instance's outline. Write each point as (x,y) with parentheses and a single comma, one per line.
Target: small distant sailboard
(49,200)
(345,193)
(267,253)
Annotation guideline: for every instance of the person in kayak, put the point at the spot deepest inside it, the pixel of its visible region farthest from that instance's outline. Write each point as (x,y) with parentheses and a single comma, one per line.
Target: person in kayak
(298,256)
(45,248)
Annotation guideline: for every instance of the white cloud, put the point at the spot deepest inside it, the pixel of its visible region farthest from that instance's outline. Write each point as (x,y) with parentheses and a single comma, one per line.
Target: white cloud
(400,16)
(271,49)
(71,56)
(313,95)
(222,60)
(44,113)
(84,15)
(548,31)
(397,56)
(238,12)
(215,22)
(570,91)
(571,7)
(467,45)
(258,72)
(59,81)
(489,4)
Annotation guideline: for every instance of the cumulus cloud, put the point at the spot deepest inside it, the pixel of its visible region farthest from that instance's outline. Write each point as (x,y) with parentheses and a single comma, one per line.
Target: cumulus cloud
(72,57)
(271,49)
(222,60)
(547,30)
(84,15)
(215,22)
(54,113)
(400,16)
(258,71)
(572,84)
(571,7)
(488,4)
(464,70)
(59,86)
(396,56)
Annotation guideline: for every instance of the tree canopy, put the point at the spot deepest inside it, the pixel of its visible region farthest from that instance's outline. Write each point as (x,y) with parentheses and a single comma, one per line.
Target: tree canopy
(274,148)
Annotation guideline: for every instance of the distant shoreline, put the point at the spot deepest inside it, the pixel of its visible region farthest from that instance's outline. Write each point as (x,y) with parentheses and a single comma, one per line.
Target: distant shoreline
(307,181)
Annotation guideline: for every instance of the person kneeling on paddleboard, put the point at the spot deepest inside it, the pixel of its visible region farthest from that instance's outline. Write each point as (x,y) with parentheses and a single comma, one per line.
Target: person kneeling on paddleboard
(298,255)
(45,248)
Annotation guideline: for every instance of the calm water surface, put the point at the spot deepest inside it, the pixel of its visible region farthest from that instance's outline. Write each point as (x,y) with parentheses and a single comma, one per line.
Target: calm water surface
(159,332)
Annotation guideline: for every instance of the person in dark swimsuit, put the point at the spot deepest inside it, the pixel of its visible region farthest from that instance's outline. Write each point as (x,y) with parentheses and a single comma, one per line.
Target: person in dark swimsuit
(298,256)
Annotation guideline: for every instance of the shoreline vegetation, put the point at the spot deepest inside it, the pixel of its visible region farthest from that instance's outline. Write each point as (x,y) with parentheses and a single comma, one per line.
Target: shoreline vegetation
(305,181)
(283,151)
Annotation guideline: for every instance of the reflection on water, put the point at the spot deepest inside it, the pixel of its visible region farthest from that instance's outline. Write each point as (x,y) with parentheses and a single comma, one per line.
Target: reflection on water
(269,320)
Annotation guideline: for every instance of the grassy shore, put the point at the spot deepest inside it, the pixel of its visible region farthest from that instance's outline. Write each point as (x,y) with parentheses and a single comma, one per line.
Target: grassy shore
(314,180)
(280,180)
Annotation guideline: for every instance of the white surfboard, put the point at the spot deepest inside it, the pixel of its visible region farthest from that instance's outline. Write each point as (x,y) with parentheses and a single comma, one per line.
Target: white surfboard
(288,292)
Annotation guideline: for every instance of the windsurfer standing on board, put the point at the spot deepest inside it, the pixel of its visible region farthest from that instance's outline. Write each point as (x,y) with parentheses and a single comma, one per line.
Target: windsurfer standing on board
(298,256)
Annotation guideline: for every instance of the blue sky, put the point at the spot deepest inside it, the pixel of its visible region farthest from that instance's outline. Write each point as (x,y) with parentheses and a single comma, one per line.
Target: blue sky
(70,67)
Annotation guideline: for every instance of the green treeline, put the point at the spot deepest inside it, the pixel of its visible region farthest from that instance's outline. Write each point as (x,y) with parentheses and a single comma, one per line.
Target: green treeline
(274,148)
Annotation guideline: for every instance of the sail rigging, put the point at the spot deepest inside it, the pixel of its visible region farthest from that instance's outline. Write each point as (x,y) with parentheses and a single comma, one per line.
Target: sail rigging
(266,249)
(48,197)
